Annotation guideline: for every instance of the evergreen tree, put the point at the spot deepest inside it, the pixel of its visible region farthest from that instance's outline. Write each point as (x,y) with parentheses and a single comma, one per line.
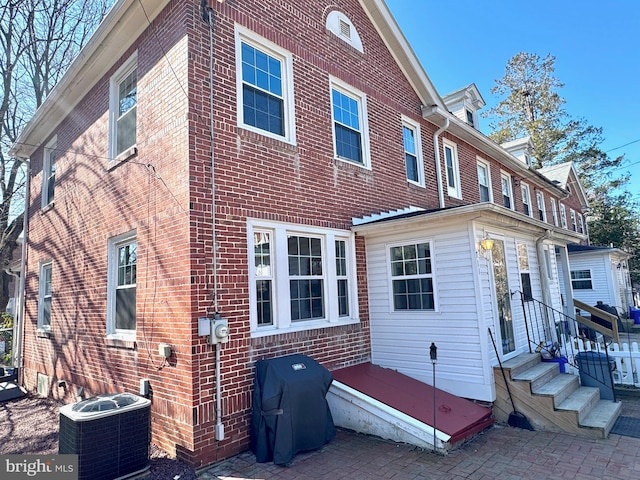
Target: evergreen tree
(531,106)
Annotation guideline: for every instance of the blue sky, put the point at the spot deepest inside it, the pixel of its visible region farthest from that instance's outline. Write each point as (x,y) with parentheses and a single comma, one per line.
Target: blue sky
(596,45)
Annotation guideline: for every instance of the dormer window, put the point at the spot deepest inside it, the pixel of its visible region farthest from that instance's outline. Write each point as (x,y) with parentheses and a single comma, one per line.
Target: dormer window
(470,118)
(338,24)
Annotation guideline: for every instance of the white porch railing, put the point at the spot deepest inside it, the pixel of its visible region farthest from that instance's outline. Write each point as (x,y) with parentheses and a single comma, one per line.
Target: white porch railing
(625,356)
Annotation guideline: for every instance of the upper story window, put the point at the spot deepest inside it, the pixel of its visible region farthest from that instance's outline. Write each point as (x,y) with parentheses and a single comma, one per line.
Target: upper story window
(574,222)
(412,151)
(264,87)
(49,172)
(121,286)
(507,191)
(341,26)
(302,278)
(452,169)
(44,296)
(581,223)
(123,107)
(484,182)
(563,216)
(554,211)
(526,200)
(412,279)
(542,214)
(350,127)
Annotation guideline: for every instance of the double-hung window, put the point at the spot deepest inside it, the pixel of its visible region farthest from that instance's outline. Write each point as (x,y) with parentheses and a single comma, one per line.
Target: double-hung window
(581,223)
(452,169)
(526,200)
(554,211)
(123,107)
(507,191)
(121,289)
(542,215)
(44,297)
(525,272)
(581,280)
(563,215)
(302,277)
(484,182)
(265,87)
(574,222)
(412,279)
(49,172)
(306,277)
(412,152)
(350,126)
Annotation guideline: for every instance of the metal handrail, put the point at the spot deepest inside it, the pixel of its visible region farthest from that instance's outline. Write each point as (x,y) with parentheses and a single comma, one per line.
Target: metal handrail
(553,333)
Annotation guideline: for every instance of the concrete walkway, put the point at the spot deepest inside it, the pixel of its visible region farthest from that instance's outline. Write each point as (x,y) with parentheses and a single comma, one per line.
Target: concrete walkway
(501,453)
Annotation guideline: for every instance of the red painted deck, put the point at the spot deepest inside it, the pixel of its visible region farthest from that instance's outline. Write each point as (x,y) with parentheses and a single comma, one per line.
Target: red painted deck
(455,416)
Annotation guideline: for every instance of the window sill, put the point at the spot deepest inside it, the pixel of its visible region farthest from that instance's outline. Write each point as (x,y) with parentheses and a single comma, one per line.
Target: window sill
(303,327)
(47,207)
(43,333)
(122,158)
(345,162)
(121,343)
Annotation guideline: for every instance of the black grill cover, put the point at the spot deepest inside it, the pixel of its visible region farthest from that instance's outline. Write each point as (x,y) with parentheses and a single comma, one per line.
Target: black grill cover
(290,412)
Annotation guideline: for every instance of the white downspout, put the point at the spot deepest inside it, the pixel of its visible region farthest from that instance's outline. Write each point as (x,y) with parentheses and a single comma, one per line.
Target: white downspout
(436,147)
(19,324)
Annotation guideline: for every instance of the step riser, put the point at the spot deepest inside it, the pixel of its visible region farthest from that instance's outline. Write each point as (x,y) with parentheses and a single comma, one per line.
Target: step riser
(546,410)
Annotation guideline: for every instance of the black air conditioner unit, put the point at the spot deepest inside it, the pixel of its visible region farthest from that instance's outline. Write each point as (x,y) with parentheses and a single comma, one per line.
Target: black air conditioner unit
(110,434)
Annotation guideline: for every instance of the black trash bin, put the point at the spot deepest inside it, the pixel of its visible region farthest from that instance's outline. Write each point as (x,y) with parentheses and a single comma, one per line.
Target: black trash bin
(290,412)
(595,372)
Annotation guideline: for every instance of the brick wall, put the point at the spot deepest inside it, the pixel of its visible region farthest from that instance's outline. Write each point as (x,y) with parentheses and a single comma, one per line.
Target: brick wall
(165,194)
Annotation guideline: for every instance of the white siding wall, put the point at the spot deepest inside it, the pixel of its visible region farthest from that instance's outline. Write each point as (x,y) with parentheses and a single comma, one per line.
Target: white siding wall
(601,279)
(401,340)
(465,307)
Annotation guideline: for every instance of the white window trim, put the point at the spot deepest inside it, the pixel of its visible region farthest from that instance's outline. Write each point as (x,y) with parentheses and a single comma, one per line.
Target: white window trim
(563,216)
(527,197)
(333,25)
(452,191)
(112,281)
(350,91)
(571,279)
(125,69)
(507,177)
(280,278)
(271,49)
(411,241)
(49,150)
(554,212)
(41,295)
(541,206)
(486,165)
(574,220)
(581,224)
(407,122)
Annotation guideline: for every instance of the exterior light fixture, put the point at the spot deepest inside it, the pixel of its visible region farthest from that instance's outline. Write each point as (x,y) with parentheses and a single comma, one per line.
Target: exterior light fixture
(486,243)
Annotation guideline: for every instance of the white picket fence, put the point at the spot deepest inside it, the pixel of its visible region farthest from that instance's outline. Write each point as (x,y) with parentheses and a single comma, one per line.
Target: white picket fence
(625,356)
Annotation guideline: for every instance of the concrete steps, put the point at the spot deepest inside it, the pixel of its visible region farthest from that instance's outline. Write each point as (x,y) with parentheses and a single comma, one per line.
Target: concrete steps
(552,401)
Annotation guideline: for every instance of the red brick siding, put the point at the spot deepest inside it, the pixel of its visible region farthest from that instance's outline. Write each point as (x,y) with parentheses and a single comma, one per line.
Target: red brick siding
(165,193)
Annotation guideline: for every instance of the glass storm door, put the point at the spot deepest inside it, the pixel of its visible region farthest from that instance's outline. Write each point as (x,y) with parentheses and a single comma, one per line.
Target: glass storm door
(503,298)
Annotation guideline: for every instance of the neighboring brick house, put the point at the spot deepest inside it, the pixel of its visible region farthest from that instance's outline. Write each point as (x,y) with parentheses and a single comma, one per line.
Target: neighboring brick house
(145,215)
